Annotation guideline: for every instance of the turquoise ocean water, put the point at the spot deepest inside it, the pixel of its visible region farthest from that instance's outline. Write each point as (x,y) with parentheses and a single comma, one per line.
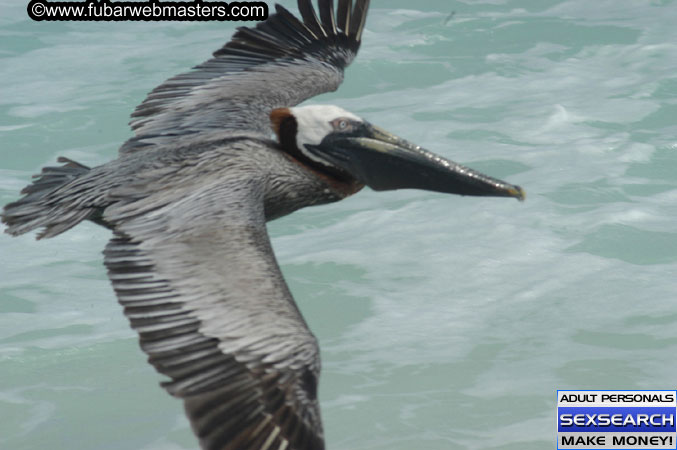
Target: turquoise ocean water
(445,322)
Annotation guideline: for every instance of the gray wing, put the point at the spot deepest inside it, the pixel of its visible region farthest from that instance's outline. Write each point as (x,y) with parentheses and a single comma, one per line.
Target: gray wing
(279,63)
(194,269)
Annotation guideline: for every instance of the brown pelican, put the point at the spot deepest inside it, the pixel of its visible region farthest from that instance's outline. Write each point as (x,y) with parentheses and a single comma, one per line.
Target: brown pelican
(188,199)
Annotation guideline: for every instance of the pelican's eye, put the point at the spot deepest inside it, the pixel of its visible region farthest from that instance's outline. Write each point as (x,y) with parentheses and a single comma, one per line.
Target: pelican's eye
(342,124)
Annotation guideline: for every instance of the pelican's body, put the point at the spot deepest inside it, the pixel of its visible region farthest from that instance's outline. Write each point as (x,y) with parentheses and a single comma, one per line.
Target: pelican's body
(188,199)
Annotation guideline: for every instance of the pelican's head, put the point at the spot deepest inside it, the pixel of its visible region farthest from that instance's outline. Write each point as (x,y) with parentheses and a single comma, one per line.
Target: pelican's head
(349,151)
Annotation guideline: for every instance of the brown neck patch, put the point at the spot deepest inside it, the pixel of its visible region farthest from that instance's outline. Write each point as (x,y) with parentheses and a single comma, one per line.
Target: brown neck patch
(281,120)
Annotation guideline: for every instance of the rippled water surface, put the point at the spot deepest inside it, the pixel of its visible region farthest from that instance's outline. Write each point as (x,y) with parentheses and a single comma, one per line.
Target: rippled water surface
(445,322)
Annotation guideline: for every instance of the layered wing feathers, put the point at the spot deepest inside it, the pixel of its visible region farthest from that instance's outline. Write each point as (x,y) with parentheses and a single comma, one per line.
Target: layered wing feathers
(278,63)
(198,280)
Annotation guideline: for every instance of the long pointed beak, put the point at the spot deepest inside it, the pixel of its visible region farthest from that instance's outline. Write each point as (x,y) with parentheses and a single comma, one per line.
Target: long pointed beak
(384,161)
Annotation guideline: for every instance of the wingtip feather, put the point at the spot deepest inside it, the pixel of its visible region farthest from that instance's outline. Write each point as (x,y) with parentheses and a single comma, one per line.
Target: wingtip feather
(358,19)
(310,17)
(343,15)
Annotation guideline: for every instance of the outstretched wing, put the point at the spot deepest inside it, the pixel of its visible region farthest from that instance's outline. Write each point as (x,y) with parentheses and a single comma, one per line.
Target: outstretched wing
(196,274)
(279,63)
